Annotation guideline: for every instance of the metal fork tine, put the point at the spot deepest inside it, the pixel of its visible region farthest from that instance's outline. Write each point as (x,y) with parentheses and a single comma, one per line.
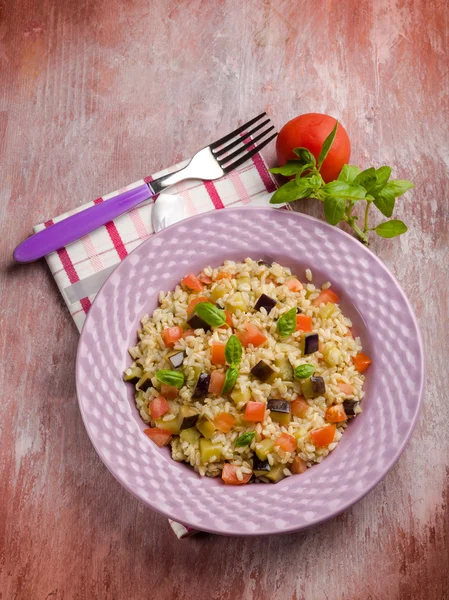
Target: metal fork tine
(228,137)
(248,155)
(246,147)
(240,139)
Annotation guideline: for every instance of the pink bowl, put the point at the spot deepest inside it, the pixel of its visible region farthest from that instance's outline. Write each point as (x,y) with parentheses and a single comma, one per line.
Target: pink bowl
(369,294)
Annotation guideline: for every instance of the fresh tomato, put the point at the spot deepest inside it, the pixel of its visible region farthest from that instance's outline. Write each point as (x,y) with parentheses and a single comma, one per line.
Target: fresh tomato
(224,422)
(303,323)
(205,278)
(169,391)
(188,332)
(346,388)
(194,302)
(217,379)
(323,436)
(229,475)
(254,412)
(159,406)
(223,275)
(294,285)
(298,466)
(325,297)
(309,131)
(158,436)
(251,335)
(361,362)
(335,414)
(228,317)
(218,353)
(170,335)
(192,282)
(299,407)
(286,442)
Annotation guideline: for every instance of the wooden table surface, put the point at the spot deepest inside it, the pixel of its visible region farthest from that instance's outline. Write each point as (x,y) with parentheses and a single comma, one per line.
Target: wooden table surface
(95,94)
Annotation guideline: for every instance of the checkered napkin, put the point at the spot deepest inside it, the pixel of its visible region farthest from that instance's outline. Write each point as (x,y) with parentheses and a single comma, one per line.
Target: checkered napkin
(81,268)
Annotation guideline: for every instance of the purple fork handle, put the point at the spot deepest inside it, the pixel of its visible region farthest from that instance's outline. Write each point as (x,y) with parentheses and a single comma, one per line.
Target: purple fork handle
(60,234)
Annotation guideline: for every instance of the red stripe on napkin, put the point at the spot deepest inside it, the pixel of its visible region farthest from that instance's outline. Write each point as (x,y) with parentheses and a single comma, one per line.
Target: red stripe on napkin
(264,174)
(114,235)
(214,196)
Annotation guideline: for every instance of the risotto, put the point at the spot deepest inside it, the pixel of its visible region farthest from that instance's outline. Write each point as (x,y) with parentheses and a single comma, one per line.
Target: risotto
(247,372)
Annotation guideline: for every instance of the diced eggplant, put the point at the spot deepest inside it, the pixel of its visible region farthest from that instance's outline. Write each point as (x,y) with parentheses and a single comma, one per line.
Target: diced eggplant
(208,450)
(285,368)
(262,371)
(350,407)
(189,416)
(276,473)
(190,435)
(173,426)
(309,343)
(144,383)
(263,262)
(298,310)
(218,292)
(260,467)
(241,397)
(176,359)
(202,386)
(313,387)
(206,428)
(132,375)
(196,322)
(236,302)
(265,302)
(279,411)
(263,448)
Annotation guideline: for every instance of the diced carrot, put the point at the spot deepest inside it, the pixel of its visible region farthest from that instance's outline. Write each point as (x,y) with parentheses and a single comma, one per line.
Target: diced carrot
(224,422)
(218,353)
(251,335)
(229,475)
(303,323)
(361,362)
(205,278)
(335,414)
(286,442)
(223,275)
(194,302)
(298,466)
(170,335)
(325,297)
(217,379)
(294,285)
(324,436)
(299,407)
(346,388)
(158,436)
(188,332)
(159,406)
(169,391)
(254,412)
(192,282)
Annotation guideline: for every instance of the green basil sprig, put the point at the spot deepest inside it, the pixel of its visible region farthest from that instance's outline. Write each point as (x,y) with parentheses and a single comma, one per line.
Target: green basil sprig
(233,351)
(230,380)
(173,378)
(373,186)
(245,439)
(286,325)
(304,371)
(213,316)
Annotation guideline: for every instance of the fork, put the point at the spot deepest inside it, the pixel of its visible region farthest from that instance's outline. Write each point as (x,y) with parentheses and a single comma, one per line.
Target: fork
(212,162)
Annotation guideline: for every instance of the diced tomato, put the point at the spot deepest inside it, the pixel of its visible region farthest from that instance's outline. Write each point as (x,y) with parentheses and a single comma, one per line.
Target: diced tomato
(188,332)
(169,391)
(217,379)
(218,353)
(299,407)
(194,302)
(325,297)
(349,333)
(170,335)
(324,436)
(298,466)
(361,362)
(205,278)
(346,388)
(229,475)
(158,436)
(286,442)
(321,347)
(254,412)
(224,422)
(270,280)
(336,414)
(192,282)
(303,323)
(223,275)
(228,318)
(251,335)
(294,285)
(158,407)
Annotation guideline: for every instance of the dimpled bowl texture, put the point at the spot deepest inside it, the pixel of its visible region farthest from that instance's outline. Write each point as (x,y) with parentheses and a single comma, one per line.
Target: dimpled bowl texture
(369,295)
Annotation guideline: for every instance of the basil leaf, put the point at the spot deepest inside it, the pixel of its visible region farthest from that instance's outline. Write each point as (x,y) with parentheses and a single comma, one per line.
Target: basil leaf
(310,181)
(334,209)
(173,378)
(391,229)
(367,179)
(327,145)
(341,189)
(230,380)
(305,155)
(212,315)
(304,371)
(286,325)
(291,167)
(233,350)
(399,186)
(382,176)
(385,201)
(292,190)
(245,439)
(348,173)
